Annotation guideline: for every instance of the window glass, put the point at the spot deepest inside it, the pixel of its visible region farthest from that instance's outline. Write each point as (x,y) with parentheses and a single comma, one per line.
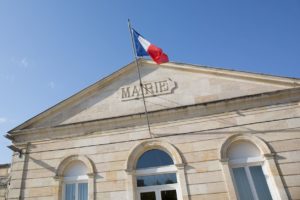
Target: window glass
(160,179)
(148,196)
(154,158)
(260,183)
(70,192)
(168,195)
(242,183)
(82,191)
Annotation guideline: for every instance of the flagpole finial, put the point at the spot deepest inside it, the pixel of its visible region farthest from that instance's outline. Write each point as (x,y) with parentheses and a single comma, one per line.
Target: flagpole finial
(129,23)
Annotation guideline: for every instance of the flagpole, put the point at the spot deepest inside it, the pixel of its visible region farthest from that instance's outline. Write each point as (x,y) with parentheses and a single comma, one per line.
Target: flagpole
(140,79)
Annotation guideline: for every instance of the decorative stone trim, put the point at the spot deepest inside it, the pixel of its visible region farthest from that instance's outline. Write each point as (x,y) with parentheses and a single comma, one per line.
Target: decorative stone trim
(224,160)
(139,149)
(261,145)
(129,172)
(270,156)
(91,175)
(57,178)
(180,166)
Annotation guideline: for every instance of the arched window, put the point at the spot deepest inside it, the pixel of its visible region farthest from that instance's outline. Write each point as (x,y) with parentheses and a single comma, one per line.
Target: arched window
(249,169)
(156,176)
(74,178)
(75,181)
(245,161)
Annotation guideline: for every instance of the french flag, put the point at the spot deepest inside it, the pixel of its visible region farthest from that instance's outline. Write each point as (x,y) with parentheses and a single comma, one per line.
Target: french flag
(145,48)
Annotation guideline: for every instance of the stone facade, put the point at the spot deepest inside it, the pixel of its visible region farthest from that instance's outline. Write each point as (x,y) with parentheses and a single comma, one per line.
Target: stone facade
(195,122)
(4,180)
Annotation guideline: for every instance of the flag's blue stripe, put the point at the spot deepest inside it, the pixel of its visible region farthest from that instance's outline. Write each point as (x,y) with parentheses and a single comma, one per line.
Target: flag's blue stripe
(140,51)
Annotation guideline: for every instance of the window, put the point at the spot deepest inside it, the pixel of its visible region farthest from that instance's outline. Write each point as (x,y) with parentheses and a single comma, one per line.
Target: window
(75,178)
(246,163)
(75,182)
(249,168)
(156,177)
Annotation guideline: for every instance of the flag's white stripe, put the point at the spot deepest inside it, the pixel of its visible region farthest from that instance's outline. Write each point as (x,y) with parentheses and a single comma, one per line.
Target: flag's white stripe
(144,42)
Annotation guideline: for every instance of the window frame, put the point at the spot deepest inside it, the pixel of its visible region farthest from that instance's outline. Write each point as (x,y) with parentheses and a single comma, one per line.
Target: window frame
(266,160)
(167,169)
(246,163)
(156,170)
(76,182)
(138,150)
(89,178)
(157,190)
(247,166)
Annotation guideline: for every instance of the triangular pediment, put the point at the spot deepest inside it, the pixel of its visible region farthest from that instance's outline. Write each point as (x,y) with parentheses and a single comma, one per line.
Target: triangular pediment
(167,86)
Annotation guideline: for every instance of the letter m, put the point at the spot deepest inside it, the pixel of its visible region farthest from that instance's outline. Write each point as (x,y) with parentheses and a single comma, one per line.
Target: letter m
(125,92)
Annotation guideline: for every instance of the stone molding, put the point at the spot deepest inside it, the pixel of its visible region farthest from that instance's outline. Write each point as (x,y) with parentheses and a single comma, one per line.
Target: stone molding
(144,146)
(262,146)
(62,166)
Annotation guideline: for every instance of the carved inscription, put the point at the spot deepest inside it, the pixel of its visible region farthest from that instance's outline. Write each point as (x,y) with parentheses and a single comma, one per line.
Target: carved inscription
(150,89)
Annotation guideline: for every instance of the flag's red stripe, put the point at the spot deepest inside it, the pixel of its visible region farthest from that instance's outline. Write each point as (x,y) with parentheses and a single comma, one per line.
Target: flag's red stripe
(157,54)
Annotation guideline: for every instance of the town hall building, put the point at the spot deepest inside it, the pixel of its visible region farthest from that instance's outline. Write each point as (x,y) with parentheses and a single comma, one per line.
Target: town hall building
(207,133)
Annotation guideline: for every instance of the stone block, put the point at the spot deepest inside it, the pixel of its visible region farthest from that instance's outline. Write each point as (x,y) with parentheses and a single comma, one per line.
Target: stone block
(201,156)
(286,145)
(290,168)
(110,166)
(39,192)
(207,188)
(288,157)
(111,186)
(200,167)
(199,145)
(292,180)
(294,192)
(217,196)
(205,177)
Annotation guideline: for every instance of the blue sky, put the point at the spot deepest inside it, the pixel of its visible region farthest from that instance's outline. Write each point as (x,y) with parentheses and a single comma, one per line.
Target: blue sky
(51,49)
